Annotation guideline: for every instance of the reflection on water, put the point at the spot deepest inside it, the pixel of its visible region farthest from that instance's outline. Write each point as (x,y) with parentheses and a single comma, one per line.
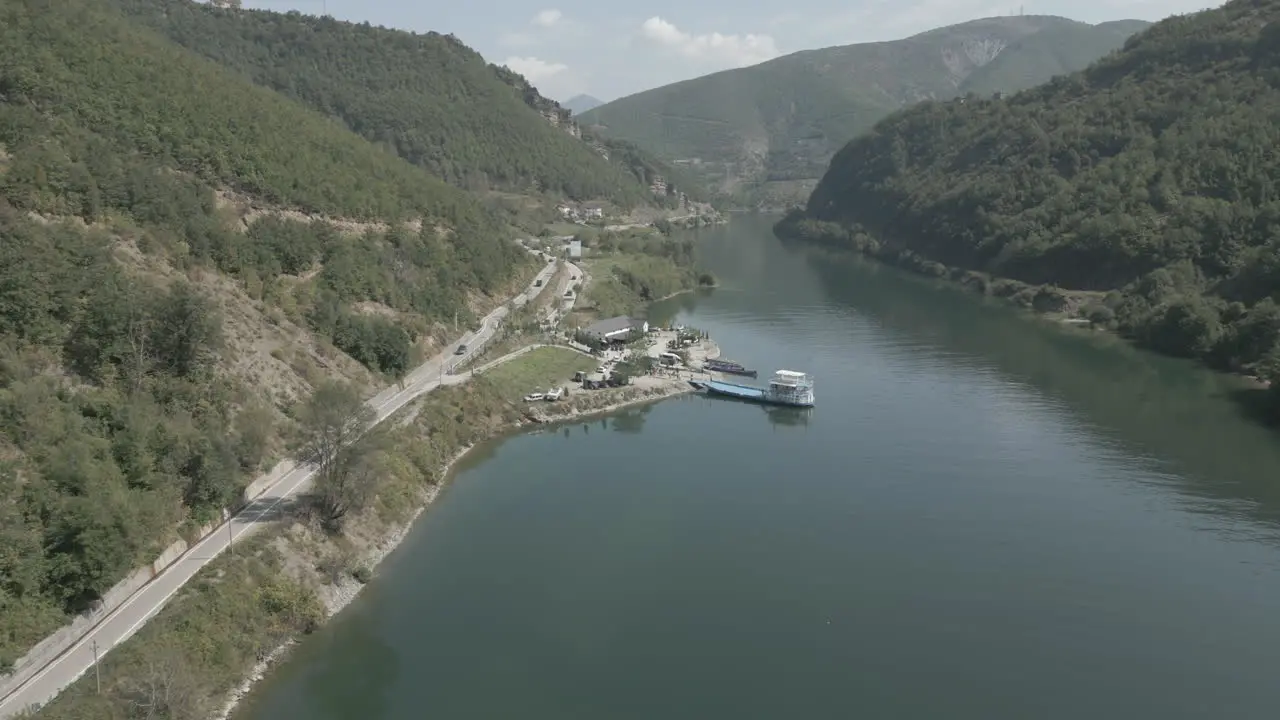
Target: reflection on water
(686,302)
(1182,417)
(775,414)
(631,420)
(788,417)
(359,668)
(1188,422)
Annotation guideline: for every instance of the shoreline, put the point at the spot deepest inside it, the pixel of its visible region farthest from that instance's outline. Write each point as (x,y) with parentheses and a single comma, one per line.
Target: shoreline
(980,283)
(653,395)
(686,291)
(342,594)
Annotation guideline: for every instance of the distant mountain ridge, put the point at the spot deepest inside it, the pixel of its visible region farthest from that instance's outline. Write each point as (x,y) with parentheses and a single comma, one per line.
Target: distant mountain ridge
(581,103)
(766,132)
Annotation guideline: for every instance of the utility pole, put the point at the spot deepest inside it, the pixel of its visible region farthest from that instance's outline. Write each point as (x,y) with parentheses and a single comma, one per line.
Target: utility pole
(97,673)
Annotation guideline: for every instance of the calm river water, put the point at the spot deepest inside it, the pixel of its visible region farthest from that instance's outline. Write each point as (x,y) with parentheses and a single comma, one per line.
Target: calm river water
(986,516)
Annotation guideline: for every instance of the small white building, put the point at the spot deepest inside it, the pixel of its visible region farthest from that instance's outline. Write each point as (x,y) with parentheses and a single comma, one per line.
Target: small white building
(617,329)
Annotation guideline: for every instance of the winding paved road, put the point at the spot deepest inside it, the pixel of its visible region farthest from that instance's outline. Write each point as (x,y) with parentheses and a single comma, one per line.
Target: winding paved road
(121,623)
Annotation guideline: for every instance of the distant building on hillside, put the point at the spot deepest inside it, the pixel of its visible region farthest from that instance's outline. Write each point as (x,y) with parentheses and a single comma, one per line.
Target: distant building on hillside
(575,248)
(579,214)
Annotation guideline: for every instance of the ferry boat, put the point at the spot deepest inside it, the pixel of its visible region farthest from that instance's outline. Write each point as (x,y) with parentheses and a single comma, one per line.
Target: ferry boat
(786,387)
(725,366)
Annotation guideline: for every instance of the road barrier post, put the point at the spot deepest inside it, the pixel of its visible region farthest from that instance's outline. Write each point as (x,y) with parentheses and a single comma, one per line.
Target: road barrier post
(97,672)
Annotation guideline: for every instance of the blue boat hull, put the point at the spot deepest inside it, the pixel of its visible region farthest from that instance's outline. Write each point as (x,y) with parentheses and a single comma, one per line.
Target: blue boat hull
(745,392)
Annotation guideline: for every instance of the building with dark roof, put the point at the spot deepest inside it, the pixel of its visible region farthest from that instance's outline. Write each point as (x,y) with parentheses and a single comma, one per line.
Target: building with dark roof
(617,329)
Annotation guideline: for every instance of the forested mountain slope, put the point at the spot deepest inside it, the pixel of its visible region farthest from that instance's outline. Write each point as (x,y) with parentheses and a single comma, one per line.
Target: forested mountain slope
(1058,49)
(1153,175)
(427,97)
(165,291)
(780,121)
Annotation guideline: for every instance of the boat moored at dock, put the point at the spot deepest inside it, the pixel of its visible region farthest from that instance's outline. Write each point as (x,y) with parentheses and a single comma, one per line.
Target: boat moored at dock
(728,367)
(786,387)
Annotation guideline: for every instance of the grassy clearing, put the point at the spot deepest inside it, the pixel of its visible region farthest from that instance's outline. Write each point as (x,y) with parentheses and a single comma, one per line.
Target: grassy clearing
(624,284)
(539,369)
(506,344)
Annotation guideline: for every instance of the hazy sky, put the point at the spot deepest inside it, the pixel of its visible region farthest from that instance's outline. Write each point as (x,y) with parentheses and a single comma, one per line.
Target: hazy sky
(566,47)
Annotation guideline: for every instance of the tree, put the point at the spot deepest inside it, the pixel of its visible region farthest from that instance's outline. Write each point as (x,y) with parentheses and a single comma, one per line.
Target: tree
(333,422)
(168,688)
(254,427)
(353,483)
(185,330)
(138,336)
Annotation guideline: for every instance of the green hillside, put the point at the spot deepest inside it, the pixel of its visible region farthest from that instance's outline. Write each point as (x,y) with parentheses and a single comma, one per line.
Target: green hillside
(426,97)
(1151,177)
(148,339)
(637,162)
(780,121)
(1056,50)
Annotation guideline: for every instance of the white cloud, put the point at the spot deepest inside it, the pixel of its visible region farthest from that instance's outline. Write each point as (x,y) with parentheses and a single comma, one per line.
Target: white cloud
(727,50)
(547,18)
(542,28)
(533,69)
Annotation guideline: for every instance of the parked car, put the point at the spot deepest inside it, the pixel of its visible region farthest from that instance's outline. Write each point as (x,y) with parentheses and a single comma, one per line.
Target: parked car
(462,350)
